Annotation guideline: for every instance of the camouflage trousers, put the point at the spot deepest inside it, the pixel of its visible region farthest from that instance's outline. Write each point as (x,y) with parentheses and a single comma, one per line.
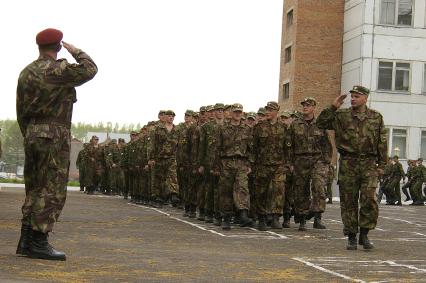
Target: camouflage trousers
(233,186)
(416,190)
(329,192)
(191,192)
(184,179)
(165,179)
(288,194)
(212,194)
(143,184)
(358,181)
(310,176)
(81,177)
(116,179)
(47,160)
(270,188)
(132,181)
(393,189)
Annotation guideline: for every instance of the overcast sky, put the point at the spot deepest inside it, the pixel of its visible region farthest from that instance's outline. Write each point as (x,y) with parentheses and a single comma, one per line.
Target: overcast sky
(151,54)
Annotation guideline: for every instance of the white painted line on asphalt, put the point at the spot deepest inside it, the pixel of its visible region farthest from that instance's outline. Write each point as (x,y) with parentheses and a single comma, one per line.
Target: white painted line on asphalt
(402,220)
(276,235)
(412,267)
(328,270)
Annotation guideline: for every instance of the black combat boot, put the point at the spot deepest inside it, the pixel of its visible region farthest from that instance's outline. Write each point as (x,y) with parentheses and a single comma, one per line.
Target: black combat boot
(40,248)
(302,223)
(317,221)
(330,201)
(262,223)
(217,221)
(245,221)
(201,215)
(191,213)
(226,224)
(81,188)
(268,220)
(352,246)
(286,222)
(24,240)
(209,217)
(276,222)
(174,200)
(363,239)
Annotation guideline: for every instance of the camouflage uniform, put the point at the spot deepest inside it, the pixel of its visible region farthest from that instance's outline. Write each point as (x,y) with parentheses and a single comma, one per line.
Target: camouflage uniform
(361,142)
(113,162)
(81,164)
(163,152)
(270,147)
(393,187)
(183,159)
(418,178)
(45,97)
(234,152)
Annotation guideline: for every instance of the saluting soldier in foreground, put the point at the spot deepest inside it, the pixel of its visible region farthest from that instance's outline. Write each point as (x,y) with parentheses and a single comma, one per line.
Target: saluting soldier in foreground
(44,103)
(361,141)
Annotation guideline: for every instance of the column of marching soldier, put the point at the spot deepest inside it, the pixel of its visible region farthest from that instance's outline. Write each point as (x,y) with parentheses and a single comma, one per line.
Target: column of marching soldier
(232,166)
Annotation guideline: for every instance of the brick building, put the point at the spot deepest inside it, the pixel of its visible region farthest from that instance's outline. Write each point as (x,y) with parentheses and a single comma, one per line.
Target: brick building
(311,51)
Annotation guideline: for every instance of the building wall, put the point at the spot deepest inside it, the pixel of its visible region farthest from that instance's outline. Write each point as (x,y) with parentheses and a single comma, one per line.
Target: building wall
(316,38)
(365,43)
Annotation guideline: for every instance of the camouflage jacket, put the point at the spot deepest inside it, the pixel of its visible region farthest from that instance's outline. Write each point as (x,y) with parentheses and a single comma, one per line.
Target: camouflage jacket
(396,171)
(208,143)
(195,144)
(141,151)
(360,135)
(81,159)
(308,140)
(184,145)
(271,144)
(163,142)
(46,90)
(113,156)
(234,141)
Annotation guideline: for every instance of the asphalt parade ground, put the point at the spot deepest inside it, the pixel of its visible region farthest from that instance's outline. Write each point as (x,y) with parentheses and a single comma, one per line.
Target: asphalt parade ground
(106,239)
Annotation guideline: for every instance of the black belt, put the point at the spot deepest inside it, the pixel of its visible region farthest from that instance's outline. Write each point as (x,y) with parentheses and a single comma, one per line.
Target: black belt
(351,155)
(53,121)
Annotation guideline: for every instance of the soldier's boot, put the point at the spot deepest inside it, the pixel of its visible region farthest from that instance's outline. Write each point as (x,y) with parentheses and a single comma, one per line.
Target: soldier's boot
(201,215)
(317,221)
(269,220)
(245,221)
(363,239)
(217,221)
(302,223)
(330,201)
(276,222)
(174,199)
(192,213)
(186,211)
(24,240)
(237,218)
(209,217)
(286,222)
(40,248)
(352,245)
(81,188)
(226,224)
(296,218)
(262,223)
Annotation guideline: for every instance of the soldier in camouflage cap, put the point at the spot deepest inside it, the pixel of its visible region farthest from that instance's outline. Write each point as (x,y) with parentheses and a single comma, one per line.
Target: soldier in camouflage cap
(251,119)
(261,114)
(45,123)
(361,141)
(233,163)
(311,151)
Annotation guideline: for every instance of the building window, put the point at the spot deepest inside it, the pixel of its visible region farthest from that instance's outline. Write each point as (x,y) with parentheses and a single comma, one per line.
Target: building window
(286,90)
(423,145)
(394,76)
(398,144)
(287,54)
(290,18)
(396,12)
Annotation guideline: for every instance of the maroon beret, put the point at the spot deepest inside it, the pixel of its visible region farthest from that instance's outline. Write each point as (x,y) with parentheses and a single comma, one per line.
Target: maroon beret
(49,36)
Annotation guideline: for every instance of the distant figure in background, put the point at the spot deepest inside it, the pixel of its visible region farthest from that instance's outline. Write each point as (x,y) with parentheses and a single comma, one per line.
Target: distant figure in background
(44,103)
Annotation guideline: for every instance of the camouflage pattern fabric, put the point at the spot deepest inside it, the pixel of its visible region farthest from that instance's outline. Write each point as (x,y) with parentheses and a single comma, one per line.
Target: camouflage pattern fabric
(361,142)
(44,102)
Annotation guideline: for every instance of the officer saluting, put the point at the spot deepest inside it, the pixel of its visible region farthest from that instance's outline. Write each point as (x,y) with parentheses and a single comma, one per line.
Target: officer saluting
(361,141)
(44,103)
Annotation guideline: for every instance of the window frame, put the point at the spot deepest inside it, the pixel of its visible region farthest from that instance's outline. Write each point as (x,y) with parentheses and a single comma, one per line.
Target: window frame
(396,14)
(393,90)
(287,59)
(288,23)
(287,83)
(390,141)
(420,143)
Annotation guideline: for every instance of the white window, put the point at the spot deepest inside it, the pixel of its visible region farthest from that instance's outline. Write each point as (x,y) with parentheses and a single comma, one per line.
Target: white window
(398,142)
(396,12)
(423,145)
(394,76)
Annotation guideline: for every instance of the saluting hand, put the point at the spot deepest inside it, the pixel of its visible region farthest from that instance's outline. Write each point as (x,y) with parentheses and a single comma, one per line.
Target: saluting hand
(71,48)
(339,100)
